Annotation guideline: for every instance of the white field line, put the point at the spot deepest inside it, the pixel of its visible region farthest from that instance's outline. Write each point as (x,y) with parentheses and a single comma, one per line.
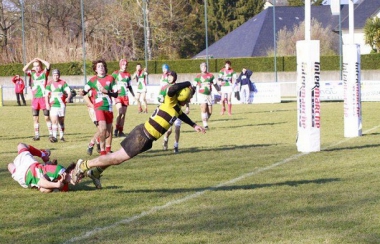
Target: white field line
(199,193)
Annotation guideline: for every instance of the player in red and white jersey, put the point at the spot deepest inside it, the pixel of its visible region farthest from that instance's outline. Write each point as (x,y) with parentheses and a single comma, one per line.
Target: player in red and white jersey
(46,177)
(141,77)
(38,80)
(204,82)
(102,90)
(227,84)
(123,85)
(56,92)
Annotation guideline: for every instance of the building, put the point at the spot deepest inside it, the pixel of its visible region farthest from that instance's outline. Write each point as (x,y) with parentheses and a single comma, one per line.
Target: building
(256,36)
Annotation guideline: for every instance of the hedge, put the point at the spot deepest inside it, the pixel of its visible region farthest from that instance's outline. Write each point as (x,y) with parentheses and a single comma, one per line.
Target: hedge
(257,64)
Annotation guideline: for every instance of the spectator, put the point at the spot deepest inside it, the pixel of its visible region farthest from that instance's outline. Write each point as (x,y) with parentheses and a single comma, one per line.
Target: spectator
(245,82)
(19,89)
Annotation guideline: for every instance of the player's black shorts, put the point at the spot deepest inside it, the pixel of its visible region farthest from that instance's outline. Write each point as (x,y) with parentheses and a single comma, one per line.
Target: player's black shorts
(136,142)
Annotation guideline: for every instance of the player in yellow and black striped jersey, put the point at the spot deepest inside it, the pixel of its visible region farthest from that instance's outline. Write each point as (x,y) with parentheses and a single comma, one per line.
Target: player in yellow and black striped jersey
(141,138)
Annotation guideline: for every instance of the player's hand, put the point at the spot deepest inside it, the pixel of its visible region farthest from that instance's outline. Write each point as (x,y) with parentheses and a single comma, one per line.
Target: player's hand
(198,128)
(81,92)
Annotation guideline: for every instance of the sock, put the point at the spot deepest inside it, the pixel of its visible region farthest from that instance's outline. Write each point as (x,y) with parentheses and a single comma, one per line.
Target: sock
(61,130)
(54,129)
(108,148)
(49,126)
(35,152)
(91,144)
(97,172)
(204,118)
(121,128)
(176,144)
(103,153)
(84,166)
(37,130)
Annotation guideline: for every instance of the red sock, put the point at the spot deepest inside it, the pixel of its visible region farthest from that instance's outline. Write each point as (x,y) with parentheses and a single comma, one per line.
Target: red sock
(34,151)
(108,148)
(103,153)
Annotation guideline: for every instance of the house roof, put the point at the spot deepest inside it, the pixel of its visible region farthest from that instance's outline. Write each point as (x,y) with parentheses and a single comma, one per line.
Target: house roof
(255,37)
(362,11)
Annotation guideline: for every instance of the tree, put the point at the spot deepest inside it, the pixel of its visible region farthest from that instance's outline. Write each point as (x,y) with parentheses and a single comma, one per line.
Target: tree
(287,39)
(372,33)
(295,3)
(8,19)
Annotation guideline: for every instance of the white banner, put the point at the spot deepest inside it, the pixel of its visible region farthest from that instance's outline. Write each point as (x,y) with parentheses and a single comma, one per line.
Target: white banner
(308,96)
(351,89)
(267,93)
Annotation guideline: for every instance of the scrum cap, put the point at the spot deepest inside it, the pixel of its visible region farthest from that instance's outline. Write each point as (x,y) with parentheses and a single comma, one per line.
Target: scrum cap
(56,71)
(165,66)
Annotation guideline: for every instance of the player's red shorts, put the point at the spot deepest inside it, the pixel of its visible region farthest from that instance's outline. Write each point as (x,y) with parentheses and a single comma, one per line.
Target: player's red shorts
(38,103)
(123,100)
(103,115)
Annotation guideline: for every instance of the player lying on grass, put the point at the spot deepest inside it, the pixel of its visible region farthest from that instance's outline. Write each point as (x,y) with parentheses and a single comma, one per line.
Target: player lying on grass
(141,138)
(46,177)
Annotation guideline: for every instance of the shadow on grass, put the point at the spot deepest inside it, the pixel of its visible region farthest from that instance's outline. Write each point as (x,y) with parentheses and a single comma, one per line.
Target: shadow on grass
(238,187)
(350,148)
(156,153)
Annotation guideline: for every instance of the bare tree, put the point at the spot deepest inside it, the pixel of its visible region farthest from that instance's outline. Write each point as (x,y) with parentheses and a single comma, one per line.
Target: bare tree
(287,39)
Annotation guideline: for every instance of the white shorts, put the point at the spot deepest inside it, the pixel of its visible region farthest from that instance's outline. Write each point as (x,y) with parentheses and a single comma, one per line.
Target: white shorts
(226,89)
(143,90)
(91,112)
(59,112)
(177,122)
(22,163)
(202,98)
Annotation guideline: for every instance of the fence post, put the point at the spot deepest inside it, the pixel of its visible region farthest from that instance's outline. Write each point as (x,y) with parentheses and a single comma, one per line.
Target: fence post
(1,95)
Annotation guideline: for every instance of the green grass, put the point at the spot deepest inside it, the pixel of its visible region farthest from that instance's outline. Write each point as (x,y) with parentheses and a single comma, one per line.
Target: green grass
(241,182)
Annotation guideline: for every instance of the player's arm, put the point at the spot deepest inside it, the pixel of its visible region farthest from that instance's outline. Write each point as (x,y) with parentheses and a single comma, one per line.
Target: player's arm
(46,185)
(131,90)
(27,66)
(47,96)
(188,121)
(46,63)
(177,87)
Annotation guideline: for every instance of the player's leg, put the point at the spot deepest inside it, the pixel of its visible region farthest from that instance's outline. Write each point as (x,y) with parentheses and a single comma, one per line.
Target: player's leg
(177,133)
(118,118)
(123,112)
(144,102)
(229,103)
(166,138)
(54,124)
(138,102)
